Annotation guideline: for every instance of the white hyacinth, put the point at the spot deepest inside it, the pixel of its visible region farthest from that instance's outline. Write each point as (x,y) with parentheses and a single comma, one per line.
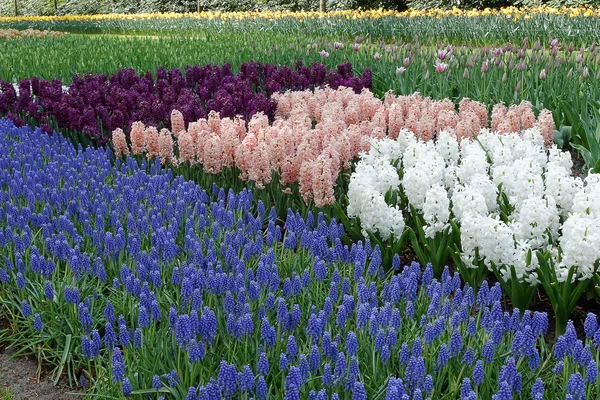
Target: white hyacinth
(447,146)
(548,208)
(466,200)
(580,245)
(366,193)
(536,221)
(436,210)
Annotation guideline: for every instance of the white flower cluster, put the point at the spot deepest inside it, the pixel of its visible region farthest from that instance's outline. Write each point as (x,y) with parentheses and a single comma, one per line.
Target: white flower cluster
(509,195)
(374,177)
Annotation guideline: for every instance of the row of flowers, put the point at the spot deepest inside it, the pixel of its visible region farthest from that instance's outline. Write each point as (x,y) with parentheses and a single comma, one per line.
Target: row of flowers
(97,104)
(158,288)
(316,135)
(513,12)
(501,202)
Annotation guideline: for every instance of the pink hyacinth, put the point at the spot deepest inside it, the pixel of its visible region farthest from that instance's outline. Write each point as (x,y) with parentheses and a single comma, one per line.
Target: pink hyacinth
(545,124)
(213,154)
(120,143)
(152,142)
(177,124)
(165,147)
(498,115)
(187,148)
(478,109)
(138,138)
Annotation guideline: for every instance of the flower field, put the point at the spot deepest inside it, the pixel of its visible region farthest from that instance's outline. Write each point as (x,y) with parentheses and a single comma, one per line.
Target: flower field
(350,205)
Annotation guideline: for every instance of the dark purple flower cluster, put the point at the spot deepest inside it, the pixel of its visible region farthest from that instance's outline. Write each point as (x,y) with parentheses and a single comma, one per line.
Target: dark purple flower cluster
(98,104)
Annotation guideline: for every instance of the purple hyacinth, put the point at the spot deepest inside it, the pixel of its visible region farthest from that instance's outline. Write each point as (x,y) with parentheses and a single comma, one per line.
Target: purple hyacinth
(576,386)
(126,386)
(537,390)
(478,373)
(590,325)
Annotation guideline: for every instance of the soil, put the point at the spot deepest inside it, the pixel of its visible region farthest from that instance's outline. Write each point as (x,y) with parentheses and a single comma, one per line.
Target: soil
(578,163)
(18,376)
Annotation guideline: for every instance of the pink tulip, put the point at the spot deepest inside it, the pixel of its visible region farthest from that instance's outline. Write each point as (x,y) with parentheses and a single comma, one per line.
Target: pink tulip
(356,47)
(400,70)
(441,67)
(324,54)
(443,54)
(338,45)
(377,56)
(407,61)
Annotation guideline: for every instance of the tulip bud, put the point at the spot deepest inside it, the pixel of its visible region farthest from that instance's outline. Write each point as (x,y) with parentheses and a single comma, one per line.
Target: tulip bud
(543,74)
(356,47)
(407,61)
(426,75)
(504,78)
(377,56)
(484,67)
(466,73)
(585,73)
(518,88)
(570,73)
(554,43)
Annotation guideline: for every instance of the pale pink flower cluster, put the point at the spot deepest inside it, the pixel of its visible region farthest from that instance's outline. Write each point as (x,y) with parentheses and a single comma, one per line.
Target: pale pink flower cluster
(120,143)
(315,135)
(519,118)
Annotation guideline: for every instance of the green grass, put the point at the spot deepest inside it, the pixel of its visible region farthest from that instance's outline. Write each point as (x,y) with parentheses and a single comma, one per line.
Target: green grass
(6,394)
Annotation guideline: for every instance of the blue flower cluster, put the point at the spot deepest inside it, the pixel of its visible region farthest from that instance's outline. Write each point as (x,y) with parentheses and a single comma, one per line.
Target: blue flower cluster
(172,291)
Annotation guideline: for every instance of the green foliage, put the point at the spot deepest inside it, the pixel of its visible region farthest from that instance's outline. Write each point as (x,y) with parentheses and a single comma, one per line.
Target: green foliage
(464,4)
(366,4)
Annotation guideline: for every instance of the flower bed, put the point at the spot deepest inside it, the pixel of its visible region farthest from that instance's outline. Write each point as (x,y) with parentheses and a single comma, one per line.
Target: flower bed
(156,287)
(98,104)
(316,135)
(497,201)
